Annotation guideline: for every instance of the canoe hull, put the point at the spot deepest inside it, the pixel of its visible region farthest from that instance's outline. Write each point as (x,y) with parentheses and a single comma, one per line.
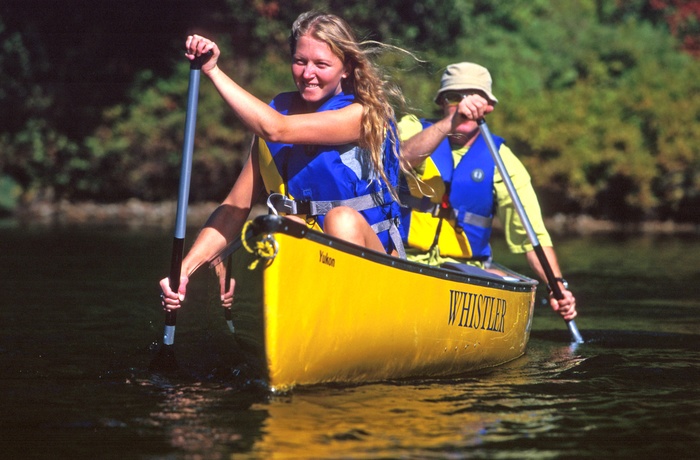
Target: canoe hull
(324,311)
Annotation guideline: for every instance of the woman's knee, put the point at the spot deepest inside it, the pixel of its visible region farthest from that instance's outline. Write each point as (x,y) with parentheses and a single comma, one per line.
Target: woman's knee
(348,224)
(343,216)
(345,223)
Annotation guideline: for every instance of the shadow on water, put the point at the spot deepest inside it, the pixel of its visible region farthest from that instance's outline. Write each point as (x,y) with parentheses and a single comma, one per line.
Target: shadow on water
(651,360)
(621,394)
(611,339)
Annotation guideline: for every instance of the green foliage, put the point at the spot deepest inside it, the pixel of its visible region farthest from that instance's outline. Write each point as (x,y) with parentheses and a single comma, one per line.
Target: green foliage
(137,150)
(39,158)
(10,192)
(591,105)
(597,97)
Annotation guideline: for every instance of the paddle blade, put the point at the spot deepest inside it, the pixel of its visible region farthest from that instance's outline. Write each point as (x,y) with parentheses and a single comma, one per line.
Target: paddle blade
(164,362)
(229,319)
(573,330)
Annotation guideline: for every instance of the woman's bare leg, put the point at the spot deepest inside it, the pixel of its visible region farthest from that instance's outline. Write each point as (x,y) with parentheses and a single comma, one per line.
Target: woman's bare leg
(348,224)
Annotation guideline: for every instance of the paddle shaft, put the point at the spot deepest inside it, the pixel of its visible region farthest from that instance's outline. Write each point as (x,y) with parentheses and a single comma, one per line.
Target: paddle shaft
(227,285)
(183,194)
(532,236)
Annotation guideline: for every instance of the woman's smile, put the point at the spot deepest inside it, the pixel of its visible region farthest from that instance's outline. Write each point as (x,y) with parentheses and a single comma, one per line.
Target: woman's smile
(317,72)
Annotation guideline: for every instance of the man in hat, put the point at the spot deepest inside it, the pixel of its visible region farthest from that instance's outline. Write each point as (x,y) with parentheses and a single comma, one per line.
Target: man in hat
(448,213)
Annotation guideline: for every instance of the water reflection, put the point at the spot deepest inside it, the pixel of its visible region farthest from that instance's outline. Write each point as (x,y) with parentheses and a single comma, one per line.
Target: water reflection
(75,369)
(620,389)
(204,418)
(417,419)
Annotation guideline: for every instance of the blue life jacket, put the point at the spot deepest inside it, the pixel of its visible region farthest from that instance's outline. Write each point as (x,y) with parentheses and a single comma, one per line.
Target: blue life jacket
(310,180)
(464,198)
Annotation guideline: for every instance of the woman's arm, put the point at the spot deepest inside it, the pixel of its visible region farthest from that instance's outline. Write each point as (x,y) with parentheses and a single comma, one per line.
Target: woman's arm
(222,227)
(330,127)
(225,223)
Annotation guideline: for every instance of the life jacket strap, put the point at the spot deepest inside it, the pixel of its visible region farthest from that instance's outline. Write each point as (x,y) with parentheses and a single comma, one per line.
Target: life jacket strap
(437,210)
(279,203)
(422,204)
(425,205)
(391,225)
(477,220)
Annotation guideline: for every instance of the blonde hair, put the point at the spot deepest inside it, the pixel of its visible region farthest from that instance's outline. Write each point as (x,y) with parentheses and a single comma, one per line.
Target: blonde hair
(365,80)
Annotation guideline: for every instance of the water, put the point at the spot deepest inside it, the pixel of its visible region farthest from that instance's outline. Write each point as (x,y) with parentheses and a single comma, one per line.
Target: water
(80,322)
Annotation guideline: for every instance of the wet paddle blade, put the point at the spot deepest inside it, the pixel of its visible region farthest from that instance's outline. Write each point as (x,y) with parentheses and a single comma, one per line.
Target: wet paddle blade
(164,362)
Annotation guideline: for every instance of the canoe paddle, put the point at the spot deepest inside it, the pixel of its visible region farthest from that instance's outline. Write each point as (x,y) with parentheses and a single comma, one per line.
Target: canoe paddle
(227,287)
(165,359)
(541,256)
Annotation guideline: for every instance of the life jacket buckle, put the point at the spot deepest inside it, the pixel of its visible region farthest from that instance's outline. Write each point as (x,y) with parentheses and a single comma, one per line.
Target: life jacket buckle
(442,212)
(278,203)
(444,209)
(303,207)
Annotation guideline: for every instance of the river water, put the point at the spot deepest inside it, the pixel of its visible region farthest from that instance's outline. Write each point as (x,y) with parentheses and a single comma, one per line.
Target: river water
(80,322)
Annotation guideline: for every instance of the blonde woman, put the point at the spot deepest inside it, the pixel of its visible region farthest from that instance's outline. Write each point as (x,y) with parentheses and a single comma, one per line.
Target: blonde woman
(333,140)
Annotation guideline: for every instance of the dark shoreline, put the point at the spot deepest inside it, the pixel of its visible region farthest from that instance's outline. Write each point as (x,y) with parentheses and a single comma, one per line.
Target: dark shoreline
(135,213)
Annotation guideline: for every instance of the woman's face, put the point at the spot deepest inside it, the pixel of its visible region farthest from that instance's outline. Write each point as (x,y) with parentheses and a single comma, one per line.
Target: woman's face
(316,70)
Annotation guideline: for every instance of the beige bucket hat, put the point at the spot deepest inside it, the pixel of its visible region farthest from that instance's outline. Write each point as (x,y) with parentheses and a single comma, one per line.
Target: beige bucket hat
(463,76)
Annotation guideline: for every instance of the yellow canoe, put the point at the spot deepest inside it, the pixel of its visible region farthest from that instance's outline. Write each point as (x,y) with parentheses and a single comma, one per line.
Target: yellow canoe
(312,309)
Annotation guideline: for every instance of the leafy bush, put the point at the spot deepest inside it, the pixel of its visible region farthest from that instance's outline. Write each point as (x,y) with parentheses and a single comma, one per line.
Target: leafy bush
(599,99)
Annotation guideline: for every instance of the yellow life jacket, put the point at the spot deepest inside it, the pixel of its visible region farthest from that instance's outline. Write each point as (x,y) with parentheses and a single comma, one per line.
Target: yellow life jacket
(459,213)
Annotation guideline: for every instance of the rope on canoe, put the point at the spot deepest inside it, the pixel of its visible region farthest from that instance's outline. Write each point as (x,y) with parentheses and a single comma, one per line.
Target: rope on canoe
(266,248)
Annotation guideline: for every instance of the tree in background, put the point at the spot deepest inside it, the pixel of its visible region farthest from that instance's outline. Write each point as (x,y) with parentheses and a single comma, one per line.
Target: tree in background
(61,68)
(598,97)
(683,18)
(588,94)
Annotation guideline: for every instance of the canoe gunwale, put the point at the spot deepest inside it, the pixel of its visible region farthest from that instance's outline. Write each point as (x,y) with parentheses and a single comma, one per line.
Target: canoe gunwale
(270,224)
